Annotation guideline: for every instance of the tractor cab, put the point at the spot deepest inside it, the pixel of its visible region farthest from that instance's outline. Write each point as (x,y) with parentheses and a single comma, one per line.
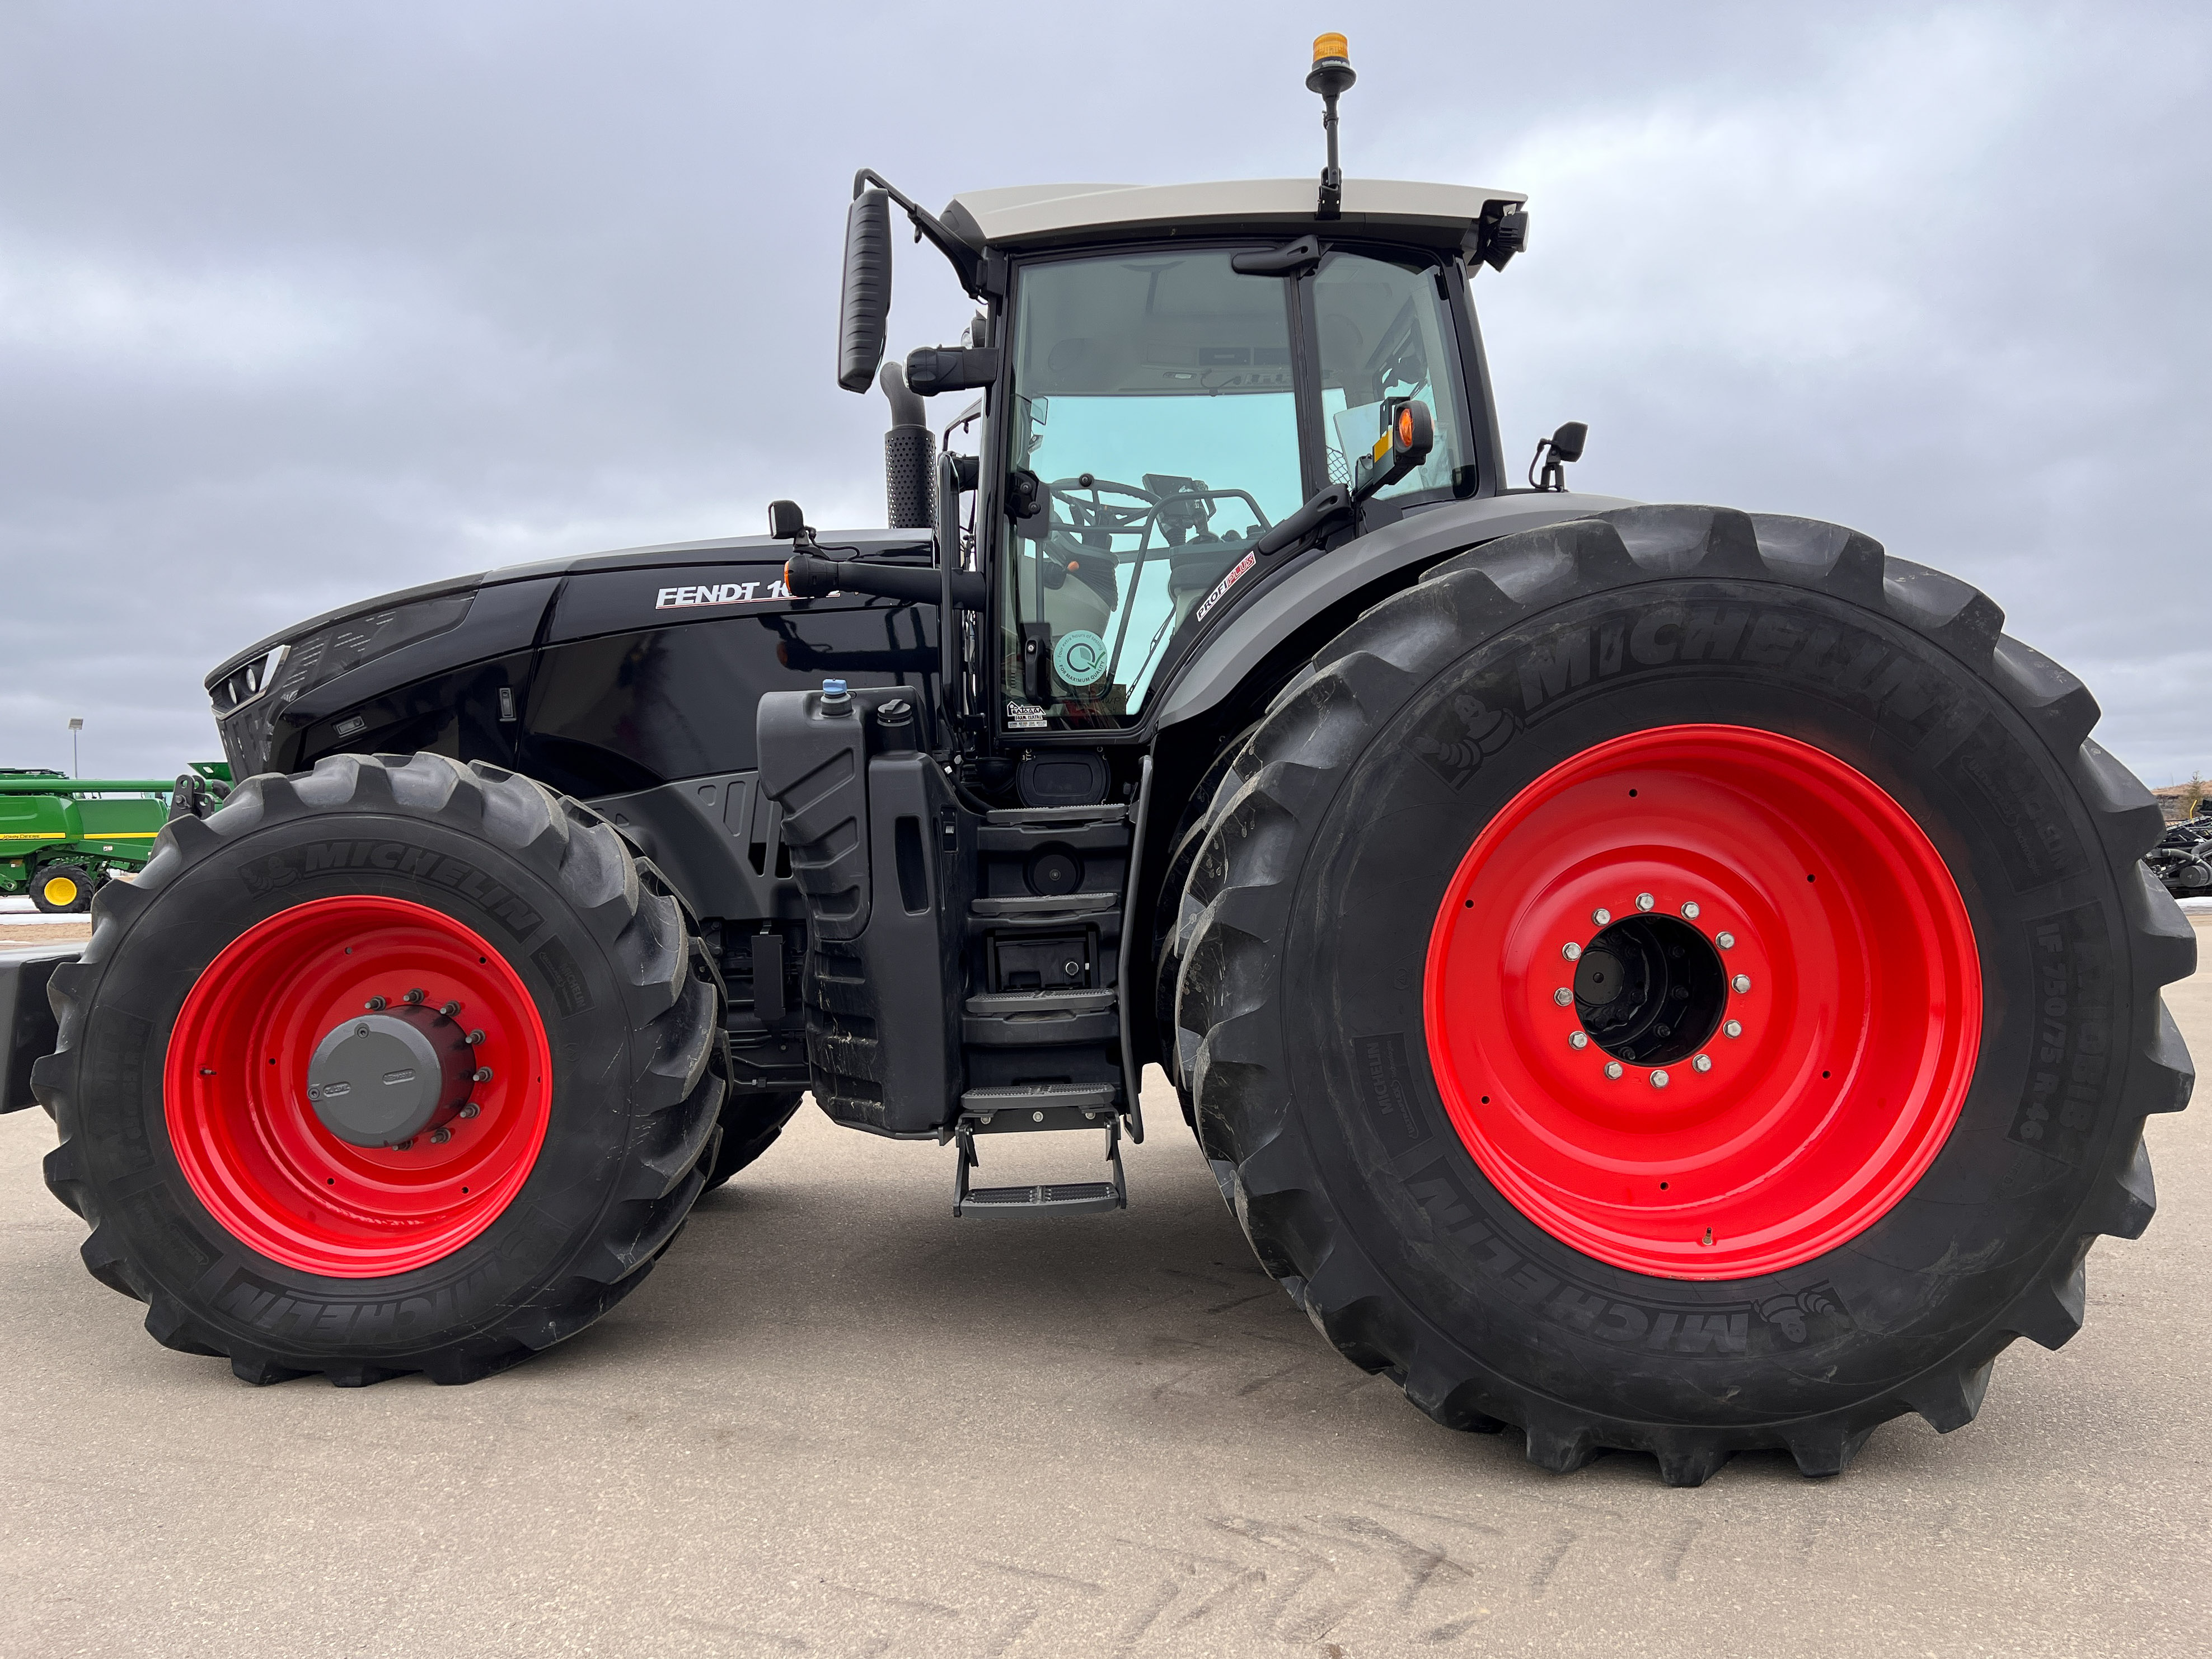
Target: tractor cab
(1186,389)
(1190,392)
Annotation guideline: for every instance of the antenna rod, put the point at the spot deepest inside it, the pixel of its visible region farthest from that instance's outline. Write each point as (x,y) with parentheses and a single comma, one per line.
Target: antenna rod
(1331,77)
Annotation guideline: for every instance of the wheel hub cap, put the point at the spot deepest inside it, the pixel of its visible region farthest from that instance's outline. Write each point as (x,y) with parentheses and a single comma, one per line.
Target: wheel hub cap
(386,1078)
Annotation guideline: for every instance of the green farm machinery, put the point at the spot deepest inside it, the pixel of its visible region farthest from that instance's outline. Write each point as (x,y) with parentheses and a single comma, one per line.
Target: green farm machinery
(61,837)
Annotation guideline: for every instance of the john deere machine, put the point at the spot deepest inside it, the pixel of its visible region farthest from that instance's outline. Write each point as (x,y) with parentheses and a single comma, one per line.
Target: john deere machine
(1657,977)
(60,837)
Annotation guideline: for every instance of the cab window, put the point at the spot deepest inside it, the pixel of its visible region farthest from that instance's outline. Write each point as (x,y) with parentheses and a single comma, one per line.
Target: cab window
(1153,403)
(1386,335)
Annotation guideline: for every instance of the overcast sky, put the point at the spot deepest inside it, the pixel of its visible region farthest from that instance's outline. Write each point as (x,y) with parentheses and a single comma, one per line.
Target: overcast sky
(301,303)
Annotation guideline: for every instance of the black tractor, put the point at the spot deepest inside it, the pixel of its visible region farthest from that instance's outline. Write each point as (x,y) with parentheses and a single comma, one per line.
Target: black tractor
(1656,977)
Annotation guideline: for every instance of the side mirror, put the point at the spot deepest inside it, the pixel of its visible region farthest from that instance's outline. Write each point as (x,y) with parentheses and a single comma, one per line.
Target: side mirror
(950,369)
(1554,452)
(1404,445)
(864,311)
(785,521)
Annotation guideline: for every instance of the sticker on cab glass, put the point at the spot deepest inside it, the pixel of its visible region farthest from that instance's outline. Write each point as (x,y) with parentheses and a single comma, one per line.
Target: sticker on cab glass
(1079,658)
(1025,717)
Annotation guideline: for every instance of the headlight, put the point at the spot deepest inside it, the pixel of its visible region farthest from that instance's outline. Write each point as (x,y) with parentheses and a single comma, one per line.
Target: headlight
(250,698)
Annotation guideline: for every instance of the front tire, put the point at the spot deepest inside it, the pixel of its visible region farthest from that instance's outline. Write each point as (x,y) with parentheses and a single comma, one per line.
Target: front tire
(750,1124)
(1839,1212)
(451,1216)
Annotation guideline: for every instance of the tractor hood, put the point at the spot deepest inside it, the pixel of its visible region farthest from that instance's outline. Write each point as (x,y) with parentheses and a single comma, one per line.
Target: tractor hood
(342,654)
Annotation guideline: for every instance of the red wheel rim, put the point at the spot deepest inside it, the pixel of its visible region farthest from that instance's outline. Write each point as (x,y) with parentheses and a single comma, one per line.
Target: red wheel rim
(1859,1002)
(235,1089)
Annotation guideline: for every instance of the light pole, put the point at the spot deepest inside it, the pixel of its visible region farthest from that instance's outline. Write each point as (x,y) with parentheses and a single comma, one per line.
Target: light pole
(76,725)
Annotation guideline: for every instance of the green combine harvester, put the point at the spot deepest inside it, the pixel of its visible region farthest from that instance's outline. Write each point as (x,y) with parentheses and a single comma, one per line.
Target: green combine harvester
(61,837)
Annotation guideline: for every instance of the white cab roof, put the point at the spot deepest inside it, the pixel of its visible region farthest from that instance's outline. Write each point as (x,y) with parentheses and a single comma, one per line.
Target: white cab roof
(1029,212)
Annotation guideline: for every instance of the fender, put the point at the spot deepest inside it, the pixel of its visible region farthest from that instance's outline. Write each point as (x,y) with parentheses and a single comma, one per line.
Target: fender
(1213,673)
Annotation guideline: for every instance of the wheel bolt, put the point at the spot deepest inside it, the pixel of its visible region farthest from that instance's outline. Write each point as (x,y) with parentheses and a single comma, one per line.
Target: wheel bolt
(1578,1039)
(450,1009)
(1702,1063)
(1600,916)
(1644,900)
(473,1038)
(1658,1079)
(1690,909)
(375,1003)
(402,1145)
(1564,997)
(439,1136)
(1726,941)
(469,1110)
(415,995)
(1613,1068)
(1571,951)
(482,1074)
(1733,1028)
(1742,982)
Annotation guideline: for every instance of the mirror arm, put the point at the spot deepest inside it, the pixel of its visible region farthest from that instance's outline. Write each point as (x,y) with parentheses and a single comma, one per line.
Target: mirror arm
(809,575)
(1323,507)
(967,263)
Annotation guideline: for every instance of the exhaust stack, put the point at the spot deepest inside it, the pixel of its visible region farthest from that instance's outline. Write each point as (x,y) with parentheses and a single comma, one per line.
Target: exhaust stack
(909,456)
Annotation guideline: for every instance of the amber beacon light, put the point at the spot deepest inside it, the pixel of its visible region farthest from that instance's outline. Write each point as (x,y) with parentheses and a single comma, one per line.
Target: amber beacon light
(1331,77)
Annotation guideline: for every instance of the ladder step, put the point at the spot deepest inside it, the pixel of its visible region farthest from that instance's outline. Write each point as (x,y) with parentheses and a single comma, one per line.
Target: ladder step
(1016,1005)
(1035,1096)
(1046,906)
(1073,1198)
(1055,1198)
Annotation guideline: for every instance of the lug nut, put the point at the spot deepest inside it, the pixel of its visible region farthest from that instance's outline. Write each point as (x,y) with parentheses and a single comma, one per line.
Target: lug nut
(1644,900)
(473,1038)
(1733,1028)
(1564,997)
(469,1110)
(375,1003)
(450,1009)
(482,1074)
(1578,1039)
(415,995)
(1600,916)
(1726,941)
(439,1136)
(1702,1063)
(1572,951)
(1741,983)
(402,1145)
(1658,1079)
(1613,1068)
(1690,909)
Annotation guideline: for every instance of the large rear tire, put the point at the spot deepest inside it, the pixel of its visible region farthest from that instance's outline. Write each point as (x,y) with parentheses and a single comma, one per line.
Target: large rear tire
(300,1205)
(1843,1142)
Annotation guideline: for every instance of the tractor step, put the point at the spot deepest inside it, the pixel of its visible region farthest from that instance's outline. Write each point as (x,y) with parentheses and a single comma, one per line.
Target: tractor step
(1038,1110)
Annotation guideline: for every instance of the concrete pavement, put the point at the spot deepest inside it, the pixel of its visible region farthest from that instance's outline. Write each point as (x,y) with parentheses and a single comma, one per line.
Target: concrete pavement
(835,1421)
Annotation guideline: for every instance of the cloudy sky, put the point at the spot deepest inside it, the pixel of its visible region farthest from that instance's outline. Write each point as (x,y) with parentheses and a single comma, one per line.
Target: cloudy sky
(300,303)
